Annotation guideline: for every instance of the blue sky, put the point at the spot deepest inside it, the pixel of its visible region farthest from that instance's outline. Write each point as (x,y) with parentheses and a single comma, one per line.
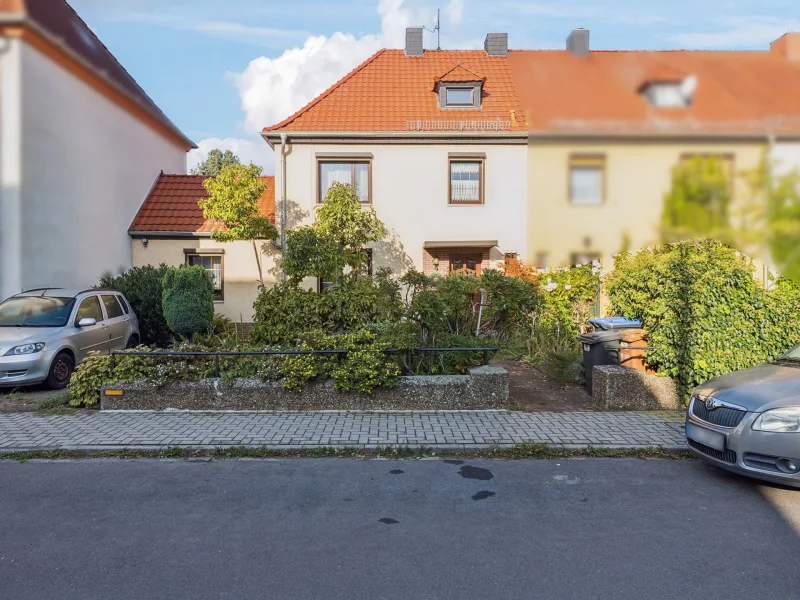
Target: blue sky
(223,70)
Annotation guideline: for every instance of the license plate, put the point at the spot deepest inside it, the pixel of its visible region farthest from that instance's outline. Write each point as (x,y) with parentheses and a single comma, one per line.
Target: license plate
(709,438)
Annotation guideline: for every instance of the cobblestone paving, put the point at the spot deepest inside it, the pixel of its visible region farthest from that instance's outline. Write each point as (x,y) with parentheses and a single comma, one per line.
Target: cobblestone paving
(467,429)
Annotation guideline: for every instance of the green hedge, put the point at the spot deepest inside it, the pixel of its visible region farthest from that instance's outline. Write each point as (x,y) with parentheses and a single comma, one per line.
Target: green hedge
(705,313)
(142,288)
(188,300)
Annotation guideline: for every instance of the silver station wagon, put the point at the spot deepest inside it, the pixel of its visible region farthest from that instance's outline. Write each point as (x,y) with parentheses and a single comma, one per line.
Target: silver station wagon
(45,333)
(749,421)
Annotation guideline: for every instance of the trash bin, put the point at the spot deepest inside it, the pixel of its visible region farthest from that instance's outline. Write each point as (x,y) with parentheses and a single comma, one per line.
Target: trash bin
(632,348)
(599,348)
(612,323)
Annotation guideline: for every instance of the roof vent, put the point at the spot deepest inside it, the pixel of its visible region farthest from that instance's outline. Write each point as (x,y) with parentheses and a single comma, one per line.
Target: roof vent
(496,44)
(578,42)
(414,41)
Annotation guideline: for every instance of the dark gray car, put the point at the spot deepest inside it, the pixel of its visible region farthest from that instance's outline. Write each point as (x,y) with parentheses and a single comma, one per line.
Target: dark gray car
(749,421)
(45,333)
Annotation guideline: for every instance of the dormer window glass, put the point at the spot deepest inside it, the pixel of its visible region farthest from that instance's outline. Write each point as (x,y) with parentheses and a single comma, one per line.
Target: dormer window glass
(459,96)
(666,95)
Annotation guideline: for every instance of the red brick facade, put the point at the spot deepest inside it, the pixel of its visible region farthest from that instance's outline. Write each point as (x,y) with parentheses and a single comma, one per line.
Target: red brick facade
(443,254)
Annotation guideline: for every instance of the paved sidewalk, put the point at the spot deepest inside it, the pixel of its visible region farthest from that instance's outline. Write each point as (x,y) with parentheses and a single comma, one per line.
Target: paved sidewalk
(461,429)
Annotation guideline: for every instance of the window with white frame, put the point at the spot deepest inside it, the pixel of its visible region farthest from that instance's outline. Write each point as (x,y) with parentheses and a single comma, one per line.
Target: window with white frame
(354,173)
(212,263)
(466,182)
(587,180)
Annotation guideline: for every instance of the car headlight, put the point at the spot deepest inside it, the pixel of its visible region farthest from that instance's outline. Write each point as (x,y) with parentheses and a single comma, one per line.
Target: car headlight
(26,349)
(779,420)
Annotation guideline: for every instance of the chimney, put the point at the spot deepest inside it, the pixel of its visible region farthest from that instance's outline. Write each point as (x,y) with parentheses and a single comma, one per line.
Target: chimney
(578,42)
(414,41)
(788,46)
(496,44)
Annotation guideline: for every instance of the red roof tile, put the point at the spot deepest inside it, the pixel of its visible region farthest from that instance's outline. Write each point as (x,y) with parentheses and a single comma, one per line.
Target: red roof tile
(390,89)
(737,92)
(171,206)
(554,92)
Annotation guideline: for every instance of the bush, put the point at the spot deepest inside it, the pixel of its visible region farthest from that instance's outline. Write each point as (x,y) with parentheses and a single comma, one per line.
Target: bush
(704,311)
(188,300)
(365,367)
(142,287)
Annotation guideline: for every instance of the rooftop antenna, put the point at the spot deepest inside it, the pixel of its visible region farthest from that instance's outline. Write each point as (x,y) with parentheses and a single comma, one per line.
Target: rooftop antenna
(437,30)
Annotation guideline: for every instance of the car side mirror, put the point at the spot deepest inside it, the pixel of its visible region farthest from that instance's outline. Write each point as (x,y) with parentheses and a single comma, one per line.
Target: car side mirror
(87,322)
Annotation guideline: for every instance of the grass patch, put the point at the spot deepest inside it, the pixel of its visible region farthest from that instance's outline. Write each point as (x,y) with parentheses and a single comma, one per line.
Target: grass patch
(519,452)
(53,402)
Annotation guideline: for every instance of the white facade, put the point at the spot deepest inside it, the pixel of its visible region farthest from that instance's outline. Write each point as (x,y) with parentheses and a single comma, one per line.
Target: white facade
(75,169)
(410,186)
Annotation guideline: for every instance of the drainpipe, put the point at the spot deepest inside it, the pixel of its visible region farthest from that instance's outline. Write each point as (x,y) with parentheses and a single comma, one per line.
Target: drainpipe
(284,138)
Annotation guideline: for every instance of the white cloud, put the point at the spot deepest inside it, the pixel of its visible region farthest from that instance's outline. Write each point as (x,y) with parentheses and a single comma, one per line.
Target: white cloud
(253,150)
(739,32)
(271,89)
(455,12)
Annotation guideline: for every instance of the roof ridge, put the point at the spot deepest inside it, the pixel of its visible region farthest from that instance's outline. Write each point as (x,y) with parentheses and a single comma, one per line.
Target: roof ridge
(327,92)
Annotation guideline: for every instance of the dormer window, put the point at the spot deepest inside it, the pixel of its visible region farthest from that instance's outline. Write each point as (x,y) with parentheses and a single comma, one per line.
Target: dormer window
(459,88)
(459,96)
(666,95)
(668,88)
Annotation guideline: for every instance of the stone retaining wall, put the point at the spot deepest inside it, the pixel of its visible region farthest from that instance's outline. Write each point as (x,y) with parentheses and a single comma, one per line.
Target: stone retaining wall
(483,388)
(621,388)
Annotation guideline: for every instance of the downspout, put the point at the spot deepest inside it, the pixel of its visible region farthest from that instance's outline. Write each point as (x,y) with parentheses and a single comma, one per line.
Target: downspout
(766,255)
(284,139)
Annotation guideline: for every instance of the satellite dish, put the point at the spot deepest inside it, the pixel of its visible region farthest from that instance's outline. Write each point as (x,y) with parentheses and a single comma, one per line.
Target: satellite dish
(689,87)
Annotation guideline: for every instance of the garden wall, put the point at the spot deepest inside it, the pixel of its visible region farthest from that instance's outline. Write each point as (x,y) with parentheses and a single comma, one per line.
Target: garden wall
(484,388)
(621,388)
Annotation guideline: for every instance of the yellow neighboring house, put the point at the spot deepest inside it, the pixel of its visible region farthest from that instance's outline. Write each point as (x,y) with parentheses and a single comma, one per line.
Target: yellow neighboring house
(607,128)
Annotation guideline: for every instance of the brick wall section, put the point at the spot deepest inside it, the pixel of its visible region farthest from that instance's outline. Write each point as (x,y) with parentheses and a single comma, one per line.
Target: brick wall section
(443,254)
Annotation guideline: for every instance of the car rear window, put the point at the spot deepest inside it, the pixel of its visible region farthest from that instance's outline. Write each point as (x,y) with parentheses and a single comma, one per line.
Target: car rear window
(113,309)
(124,303)
(35,311)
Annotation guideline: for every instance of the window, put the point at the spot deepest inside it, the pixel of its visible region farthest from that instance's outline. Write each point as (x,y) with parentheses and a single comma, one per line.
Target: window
(468,263)
(212,263)
(459,96)
(667,95)
(90,309)
(466,182)
(356,174)
(583,258)
(35,311)
(113,309)
(124,304)
(587,176)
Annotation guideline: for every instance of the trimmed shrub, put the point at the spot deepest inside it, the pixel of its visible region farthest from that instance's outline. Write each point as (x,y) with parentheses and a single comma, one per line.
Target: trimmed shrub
(705,313)
(142,287)
(188,300)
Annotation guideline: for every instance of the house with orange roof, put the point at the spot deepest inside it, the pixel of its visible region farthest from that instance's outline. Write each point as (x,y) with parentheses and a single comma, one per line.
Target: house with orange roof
(80,146)
(606,129)
(435,141)
(170,228)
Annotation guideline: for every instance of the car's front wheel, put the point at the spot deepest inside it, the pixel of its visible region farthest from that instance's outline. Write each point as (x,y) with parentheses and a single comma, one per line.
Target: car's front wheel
(60,371)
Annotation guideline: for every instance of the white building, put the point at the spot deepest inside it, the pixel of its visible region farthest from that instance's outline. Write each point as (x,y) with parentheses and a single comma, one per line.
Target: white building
(80,146)
(434,140)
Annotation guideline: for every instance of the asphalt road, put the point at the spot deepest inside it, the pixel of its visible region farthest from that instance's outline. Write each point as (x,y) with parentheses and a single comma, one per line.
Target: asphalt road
(330,529)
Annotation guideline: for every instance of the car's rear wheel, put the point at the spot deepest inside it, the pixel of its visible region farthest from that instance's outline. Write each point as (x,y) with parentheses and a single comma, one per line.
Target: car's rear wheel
(60,371)
(133,341)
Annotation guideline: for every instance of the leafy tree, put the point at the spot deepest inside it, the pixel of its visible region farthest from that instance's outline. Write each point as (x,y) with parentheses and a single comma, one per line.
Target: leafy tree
(336,239)
(188,300)
(697,204)
(233,197)
(215,162)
